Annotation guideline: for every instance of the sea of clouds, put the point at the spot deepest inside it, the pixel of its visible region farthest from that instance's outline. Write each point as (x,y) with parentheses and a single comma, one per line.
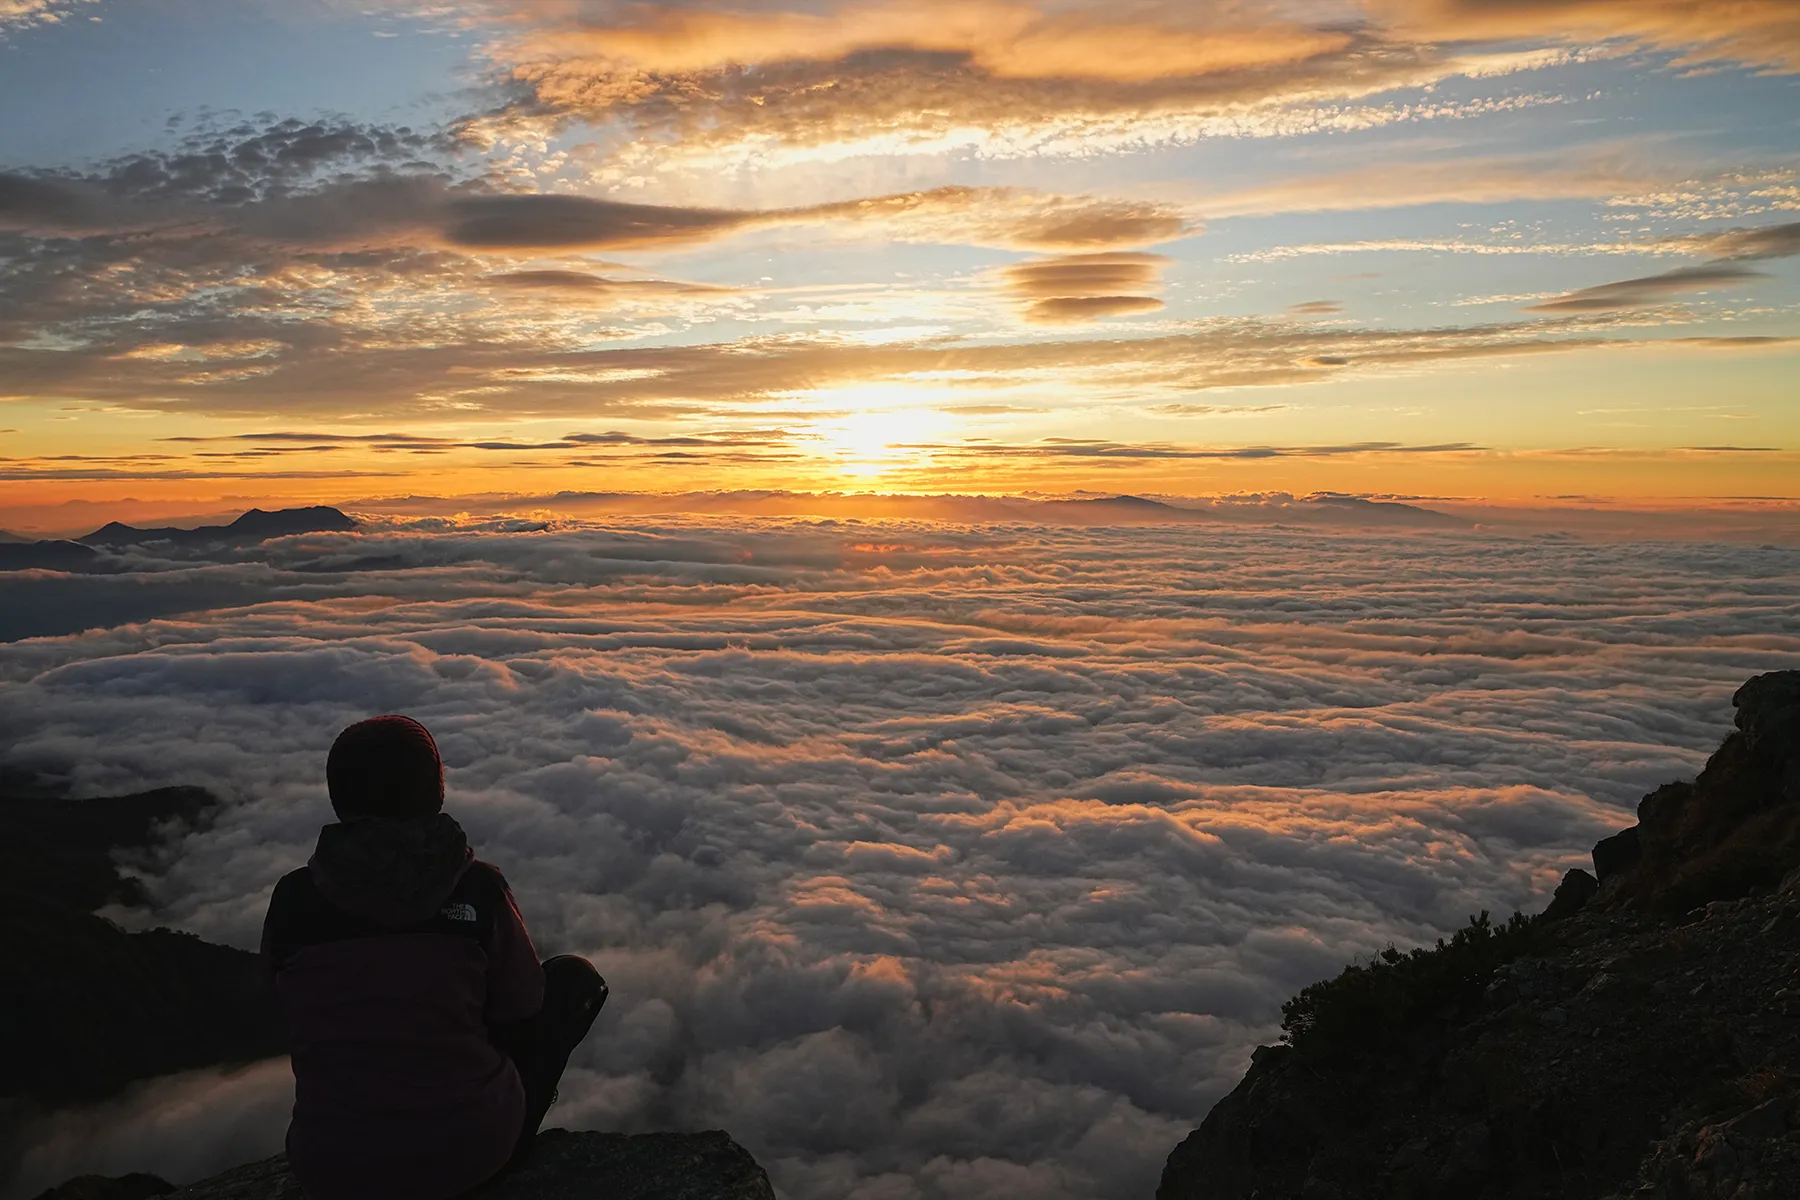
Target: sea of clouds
(930,861)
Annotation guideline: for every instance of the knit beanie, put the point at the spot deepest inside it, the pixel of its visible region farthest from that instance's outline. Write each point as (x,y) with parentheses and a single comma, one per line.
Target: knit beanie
(385,767)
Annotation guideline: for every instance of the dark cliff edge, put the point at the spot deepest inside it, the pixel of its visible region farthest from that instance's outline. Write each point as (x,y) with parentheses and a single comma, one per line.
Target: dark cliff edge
(89,1007)
(560,1166)
(1635,1039)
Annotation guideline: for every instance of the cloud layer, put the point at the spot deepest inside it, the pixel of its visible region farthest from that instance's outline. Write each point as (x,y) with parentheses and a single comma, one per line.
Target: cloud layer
(1651,289)
(711,83)
(1078,287)
(293,273)
(1734,247)
(1762,33)
(931,860)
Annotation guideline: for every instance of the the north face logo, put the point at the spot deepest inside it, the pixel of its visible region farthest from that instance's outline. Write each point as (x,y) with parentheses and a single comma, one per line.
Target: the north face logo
(458,912)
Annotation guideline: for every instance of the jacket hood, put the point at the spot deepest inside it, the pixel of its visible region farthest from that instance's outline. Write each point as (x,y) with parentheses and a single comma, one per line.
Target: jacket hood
(392,872)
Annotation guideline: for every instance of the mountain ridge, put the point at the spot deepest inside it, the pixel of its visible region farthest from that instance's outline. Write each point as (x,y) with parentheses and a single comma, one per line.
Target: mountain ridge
(1325,508)
(92,552)
(254,525)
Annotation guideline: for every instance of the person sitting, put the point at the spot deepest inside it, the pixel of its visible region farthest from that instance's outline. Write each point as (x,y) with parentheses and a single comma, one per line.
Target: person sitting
(427,1039)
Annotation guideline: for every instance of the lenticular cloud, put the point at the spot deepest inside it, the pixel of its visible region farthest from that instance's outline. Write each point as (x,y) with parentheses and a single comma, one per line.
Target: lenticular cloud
(930,861)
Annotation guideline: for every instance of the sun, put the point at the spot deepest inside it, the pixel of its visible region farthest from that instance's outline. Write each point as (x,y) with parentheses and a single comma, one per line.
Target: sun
(887,427)
(873,436)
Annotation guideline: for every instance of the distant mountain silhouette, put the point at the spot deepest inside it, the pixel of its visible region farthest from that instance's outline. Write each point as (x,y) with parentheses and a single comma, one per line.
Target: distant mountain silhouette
(1105,509)
(254,526)
(1321,509)
(1331,509)
(88,554)
(88,1007)
(50,555)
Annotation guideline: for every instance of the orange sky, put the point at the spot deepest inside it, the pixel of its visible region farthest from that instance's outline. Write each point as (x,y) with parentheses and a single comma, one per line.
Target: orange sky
(1496,252)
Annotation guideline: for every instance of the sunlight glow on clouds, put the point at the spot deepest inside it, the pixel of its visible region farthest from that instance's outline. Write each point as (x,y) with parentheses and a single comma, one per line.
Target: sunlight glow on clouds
(30,12)
(877,827)
(1764,33)
(932,860)
(665,220)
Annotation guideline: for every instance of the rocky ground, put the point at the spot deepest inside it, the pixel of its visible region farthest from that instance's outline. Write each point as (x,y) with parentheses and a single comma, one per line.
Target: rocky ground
(562,1166)
(1637,1040)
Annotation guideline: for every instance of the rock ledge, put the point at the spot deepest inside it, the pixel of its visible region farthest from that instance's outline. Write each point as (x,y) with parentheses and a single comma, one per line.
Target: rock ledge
(562,1166)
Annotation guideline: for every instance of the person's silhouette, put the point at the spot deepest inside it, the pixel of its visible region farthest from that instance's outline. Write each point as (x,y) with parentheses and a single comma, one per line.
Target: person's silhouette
(427,1040)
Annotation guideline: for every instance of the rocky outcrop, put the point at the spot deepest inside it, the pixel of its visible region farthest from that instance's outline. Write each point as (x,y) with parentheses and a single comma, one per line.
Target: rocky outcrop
(560,1166)
(1637,1039)
(1732,831)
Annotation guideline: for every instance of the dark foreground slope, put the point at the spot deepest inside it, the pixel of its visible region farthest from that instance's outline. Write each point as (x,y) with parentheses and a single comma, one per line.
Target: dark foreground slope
(87,1007)
(562,1166)
(1639,1039)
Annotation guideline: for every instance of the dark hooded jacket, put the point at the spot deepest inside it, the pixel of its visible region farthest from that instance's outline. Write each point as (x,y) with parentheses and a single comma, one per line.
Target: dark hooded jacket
(394,951)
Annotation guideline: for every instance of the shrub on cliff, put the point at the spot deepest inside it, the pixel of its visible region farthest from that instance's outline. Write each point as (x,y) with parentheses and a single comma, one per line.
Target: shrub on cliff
(1372,1006)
